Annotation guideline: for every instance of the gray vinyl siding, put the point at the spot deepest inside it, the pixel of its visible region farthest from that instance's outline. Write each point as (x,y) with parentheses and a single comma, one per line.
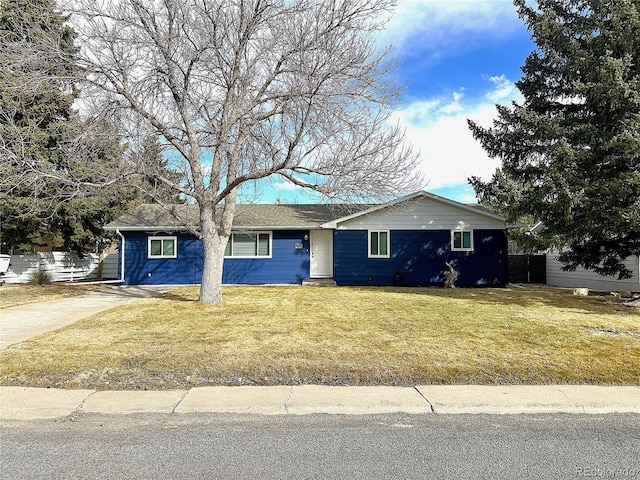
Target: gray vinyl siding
(423,214)
(582,278)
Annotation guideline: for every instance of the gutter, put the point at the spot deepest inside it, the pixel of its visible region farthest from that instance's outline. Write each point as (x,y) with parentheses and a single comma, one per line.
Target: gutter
(121,279)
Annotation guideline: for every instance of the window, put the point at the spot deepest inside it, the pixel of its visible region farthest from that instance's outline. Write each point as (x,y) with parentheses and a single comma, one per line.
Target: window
(256,244)
(379,244)
(462,241)
(162,247)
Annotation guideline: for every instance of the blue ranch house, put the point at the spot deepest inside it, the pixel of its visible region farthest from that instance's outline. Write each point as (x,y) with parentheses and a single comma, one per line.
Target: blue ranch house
(403,242)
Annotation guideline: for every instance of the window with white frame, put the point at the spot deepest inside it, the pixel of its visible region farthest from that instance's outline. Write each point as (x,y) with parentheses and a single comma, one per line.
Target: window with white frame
(162,247)
(379,244)
(462,241)
(249,244)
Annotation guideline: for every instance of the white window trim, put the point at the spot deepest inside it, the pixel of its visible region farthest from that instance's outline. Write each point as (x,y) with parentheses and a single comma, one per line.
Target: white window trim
(175,247)
(253,233)
(369,232)
(462,249)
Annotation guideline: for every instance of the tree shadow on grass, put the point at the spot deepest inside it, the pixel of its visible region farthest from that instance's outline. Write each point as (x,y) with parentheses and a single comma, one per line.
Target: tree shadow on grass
(176,296)
(523,297)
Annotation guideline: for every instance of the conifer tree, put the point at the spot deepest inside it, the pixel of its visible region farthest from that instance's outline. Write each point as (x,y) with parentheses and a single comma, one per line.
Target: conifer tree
(39,126)
(570,151)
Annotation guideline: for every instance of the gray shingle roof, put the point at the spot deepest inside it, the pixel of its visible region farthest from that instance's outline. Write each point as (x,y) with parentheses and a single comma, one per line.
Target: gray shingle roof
(149,216)
(267,216)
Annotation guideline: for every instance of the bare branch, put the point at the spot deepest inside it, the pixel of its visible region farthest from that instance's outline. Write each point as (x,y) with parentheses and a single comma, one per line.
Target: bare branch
(239,90)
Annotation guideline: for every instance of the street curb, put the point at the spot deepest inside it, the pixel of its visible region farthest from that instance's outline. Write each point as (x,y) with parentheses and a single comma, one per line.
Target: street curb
(514,399)
(25,403)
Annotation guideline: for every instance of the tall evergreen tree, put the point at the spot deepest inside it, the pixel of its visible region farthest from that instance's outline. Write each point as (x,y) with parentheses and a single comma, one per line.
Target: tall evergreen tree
(571,151)
(39,126)
(32,114)
(150,153)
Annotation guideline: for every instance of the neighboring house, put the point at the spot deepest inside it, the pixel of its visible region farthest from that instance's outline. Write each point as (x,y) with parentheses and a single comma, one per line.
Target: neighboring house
(555,276)
(407,240)
(582,278)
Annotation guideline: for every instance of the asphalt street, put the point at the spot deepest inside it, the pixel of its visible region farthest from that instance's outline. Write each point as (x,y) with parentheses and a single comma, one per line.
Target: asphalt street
(210,446)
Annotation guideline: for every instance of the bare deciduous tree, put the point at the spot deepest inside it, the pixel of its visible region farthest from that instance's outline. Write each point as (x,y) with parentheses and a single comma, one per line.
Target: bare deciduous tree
(241,90)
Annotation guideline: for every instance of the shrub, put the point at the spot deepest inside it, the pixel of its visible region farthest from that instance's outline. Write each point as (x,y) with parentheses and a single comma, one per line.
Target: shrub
(41,277)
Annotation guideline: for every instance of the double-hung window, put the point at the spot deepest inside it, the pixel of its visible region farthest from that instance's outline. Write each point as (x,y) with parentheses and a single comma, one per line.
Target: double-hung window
(461,241)
(162,247)
(379,245)
(249,244)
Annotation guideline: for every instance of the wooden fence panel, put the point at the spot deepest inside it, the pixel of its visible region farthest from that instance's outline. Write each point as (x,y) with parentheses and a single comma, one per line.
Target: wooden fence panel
(527,269)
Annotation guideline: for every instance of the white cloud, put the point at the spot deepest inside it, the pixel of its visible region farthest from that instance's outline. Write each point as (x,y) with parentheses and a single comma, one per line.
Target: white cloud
(438,129)
(432,28)
(467,198)
(504,89)
(286,186)
(422,113)
(271,191)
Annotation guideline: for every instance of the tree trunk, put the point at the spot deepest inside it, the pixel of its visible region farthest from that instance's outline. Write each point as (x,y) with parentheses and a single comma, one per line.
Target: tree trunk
(213,244)
(211,286)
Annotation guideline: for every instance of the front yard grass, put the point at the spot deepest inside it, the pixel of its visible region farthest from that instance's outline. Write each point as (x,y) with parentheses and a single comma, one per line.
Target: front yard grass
(338,336)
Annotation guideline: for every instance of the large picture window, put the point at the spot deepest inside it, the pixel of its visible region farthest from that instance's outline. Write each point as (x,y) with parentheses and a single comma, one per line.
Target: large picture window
(251,244)
(462,241)
(162,247)
(379,244)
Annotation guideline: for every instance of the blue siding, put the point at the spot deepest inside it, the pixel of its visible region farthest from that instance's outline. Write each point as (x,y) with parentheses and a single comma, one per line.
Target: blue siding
(140,270)
(420,257)
(287,264)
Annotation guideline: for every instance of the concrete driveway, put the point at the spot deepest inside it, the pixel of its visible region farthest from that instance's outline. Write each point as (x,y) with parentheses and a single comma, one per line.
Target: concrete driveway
(26,321)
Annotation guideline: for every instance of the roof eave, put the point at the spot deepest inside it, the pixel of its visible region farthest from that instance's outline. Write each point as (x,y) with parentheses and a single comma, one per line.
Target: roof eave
(276,227)
(512,226)
(406,198)
(143,228)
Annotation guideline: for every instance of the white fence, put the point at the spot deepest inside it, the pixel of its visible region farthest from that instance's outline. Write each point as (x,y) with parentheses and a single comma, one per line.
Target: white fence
(63,267)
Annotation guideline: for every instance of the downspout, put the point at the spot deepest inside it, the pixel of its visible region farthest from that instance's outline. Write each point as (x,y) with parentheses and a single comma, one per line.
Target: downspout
(123,249)
(121,279)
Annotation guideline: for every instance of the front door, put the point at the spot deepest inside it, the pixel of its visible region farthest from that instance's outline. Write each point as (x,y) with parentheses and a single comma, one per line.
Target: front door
(321,243)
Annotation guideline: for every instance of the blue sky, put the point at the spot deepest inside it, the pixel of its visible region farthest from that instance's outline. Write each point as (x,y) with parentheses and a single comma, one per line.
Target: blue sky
(457,59)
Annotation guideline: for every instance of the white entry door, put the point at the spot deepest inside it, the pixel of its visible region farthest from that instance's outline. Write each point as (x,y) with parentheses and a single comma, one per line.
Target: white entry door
(321,243)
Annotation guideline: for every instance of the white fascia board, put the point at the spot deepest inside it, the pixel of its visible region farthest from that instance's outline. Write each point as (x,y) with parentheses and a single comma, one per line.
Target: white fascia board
(437,198)
(145,228)
(375,208)
(468,208)
(244,227)
(277,227)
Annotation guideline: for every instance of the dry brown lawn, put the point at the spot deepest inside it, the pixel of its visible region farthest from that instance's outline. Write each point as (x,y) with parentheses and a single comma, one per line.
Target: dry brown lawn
(345,336)
(13,295)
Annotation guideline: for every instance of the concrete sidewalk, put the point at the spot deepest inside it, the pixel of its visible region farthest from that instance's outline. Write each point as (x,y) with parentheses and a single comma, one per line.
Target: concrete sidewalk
(25,321)
(20,403)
